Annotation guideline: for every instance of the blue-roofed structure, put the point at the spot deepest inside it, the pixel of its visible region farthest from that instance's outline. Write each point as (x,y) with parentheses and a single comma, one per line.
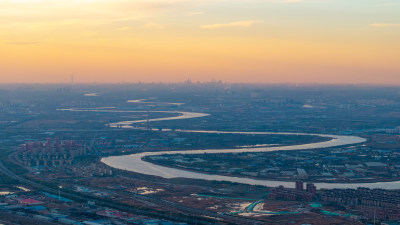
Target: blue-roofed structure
(36,208)
(57,197)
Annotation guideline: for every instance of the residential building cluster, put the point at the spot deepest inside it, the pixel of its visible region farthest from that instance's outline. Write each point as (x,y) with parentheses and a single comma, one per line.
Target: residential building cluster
(297,194)
(376,203)
(57,153)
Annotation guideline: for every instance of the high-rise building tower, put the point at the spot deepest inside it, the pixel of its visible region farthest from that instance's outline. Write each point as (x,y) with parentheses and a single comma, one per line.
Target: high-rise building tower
(310,188)
(299,185)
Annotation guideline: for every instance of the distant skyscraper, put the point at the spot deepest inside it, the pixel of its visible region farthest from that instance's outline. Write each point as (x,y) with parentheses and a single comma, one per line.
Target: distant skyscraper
(299,185)
(310,188)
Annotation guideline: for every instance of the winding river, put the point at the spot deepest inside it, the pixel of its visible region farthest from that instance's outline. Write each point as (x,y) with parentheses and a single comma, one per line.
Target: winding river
(135,163)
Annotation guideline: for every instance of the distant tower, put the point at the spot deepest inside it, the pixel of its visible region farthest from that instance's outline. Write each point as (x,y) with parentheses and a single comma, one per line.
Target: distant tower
(299,185)
(148,120)
(310,188)
(72,79)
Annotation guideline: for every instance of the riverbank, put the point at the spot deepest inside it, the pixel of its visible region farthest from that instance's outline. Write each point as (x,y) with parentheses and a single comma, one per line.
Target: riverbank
(350,181)
(136,164)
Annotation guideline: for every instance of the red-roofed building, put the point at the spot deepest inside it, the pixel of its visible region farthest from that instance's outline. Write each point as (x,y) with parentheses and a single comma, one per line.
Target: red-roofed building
(29,201)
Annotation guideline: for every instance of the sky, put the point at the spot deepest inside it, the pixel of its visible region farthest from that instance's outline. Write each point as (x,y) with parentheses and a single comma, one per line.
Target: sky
(252,41)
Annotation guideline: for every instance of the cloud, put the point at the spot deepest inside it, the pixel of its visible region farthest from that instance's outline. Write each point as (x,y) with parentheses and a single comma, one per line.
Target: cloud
(291,1)
(27,11)
(23,42)
(49,19)
(195,13)
(124,28)
(240,24)
(153,26)
(385,25)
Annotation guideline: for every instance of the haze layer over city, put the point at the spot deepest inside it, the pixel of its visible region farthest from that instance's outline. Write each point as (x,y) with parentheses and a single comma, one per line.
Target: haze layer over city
(176,112)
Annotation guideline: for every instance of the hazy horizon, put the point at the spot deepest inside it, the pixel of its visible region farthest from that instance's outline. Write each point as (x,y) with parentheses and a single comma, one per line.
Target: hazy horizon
(207,82)
(236,41)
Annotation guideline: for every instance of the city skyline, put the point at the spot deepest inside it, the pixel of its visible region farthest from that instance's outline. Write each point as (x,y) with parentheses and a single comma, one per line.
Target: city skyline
(253,41)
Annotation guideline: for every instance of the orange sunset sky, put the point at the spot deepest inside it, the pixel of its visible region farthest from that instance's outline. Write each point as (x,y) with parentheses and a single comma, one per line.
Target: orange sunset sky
(255,41)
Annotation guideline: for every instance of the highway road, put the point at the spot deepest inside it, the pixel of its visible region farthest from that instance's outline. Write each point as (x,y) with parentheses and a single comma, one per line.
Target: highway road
(190,215)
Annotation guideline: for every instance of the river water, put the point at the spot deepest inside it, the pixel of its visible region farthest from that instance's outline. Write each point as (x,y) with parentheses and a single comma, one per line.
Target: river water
(135,163)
